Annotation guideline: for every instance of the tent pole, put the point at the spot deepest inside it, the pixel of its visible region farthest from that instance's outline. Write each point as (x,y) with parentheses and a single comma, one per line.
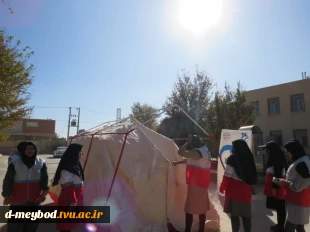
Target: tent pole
(118,163)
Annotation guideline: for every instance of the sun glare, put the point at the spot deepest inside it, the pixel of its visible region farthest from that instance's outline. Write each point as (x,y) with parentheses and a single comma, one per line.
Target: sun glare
(200,15)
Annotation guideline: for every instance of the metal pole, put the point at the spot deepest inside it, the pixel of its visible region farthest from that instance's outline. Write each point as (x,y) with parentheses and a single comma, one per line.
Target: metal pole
(69,123)
(78,123)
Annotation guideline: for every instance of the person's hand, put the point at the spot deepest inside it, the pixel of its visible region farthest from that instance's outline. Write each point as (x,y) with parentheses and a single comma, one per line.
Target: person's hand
(74,204)
(222,190)
(7,201)
(42,198)
(174,163)
(273,192)
(282,182)
(190,138)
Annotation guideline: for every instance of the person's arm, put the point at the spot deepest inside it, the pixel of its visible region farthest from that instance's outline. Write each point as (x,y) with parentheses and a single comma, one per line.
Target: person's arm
(44,180)
(228,173)
(184,161)
(190,154)
(8,181)
(299,184)
(67,179)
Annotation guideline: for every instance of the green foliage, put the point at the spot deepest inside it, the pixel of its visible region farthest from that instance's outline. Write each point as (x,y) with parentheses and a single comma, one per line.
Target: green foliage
(191,94)
(228,110)
(15,79)
(143,113)
(9,8)
(58,142)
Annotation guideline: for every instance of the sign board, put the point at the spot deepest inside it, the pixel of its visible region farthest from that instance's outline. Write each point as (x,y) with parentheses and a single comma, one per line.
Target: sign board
(225,149)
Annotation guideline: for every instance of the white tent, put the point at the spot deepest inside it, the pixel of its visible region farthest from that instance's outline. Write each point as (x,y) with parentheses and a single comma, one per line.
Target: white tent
(147,190)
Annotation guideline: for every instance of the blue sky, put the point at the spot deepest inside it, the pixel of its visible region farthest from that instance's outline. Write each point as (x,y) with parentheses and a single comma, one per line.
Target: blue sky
(102,55)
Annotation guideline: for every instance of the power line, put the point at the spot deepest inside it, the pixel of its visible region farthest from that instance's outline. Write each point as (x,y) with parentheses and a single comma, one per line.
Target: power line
(51,107)
(80,122)
(62,107)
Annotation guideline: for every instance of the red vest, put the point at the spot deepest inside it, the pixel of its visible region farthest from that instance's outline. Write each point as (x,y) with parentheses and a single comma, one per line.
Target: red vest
(298,198)
(234,188)
(198,171)
(26,182)
(280,192)
(301,198)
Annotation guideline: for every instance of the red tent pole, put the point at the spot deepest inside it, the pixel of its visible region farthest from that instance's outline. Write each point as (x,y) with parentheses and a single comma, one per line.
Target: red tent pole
(118,163)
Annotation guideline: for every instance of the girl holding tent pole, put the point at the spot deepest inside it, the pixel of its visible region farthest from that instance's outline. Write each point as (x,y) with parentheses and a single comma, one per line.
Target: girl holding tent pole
(198,167)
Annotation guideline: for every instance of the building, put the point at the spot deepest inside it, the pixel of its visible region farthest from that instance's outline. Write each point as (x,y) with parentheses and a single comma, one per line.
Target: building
(38,131)
(283,111)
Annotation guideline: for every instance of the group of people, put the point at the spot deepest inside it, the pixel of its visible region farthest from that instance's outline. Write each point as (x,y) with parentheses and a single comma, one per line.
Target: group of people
(26,183)
(287,185)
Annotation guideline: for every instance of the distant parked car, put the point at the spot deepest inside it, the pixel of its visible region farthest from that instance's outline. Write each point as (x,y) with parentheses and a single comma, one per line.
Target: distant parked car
(59,152)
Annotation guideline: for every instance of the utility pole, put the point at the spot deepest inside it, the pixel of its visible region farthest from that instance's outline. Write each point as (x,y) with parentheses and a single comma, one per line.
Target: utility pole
(118,114)
(69,123)
(73,123)
(78,123)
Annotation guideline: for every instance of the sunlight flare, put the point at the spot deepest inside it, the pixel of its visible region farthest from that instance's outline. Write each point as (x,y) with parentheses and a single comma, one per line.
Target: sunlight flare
(200,15)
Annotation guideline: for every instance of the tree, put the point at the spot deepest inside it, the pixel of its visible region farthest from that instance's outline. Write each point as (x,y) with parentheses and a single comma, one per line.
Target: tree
(15,79)
(143,113)
(9,7)
(192,95)
(57,141)
(228,110)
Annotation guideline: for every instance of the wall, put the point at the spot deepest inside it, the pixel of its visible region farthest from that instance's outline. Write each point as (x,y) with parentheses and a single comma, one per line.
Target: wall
(37,131)
(287,121)
(37,126)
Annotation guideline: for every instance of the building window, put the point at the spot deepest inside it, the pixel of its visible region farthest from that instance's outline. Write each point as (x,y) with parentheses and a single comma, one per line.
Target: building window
(274,106)
(32,124)
(256,106)
(298,102)
(301,136)
(277,136)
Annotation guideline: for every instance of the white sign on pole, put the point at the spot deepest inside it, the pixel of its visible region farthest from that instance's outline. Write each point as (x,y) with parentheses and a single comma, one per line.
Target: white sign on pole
(225,149)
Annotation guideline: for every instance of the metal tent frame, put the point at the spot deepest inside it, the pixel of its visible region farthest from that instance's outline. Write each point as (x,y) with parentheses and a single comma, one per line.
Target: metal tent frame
(96,131)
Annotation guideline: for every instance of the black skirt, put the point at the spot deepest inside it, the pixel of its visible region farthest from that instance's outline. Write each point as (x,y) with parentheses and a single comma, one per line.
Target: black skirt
(275,204)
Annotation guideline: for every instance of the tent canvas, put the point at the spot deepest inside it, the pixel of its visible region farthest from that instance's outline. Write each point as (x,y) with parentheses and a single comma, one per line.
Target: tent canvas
(147,189)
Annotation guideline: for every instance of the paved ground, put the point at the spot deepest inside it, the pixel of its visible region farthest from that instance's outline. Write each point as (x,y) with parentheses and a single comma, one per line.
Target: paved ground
(262,218)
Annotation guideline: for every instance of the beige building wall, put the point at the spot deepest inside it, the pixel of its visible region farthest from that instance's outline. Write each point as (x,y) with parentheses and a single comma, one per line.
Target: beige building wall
(289,121)
(38,131)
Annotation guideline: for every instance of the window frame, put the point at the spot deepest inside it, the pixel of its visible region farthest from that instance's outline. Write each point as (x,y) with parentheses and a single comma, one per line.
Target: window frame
(292,102)
(277,131)
(268,105)
(256,103)
(307,137)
